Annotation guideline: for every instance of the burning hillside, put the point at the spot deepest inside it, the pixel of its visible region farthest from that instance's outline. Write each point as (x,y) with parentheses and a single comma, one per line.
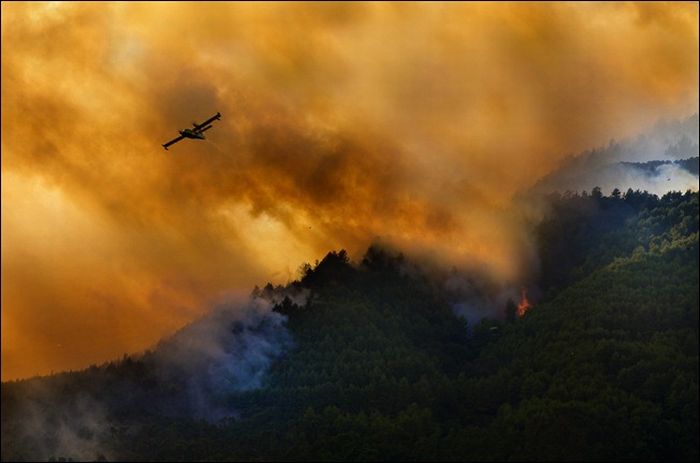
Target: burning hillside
(524,304)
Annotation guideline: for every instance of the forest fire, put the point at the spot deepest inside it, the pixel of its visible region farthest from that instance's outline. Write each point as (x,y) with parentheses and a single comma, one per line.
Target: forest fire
(524,305)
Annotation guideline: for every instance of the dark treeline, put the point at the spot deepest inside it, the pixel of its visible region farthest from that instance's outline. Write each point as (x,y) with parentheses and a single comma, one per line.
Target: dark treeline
(603,367)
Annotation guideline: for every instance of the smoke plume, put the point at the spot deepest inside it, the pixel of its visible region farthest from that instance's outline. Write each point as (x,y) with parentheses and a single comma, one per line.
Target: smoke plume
(659,160)
(192,375)
(342,123)
(229,350)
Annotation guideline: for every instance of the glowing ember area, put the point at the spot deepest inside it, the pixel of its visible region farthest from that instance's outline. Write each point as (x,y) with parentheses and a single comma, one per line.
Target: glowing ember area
(524,305)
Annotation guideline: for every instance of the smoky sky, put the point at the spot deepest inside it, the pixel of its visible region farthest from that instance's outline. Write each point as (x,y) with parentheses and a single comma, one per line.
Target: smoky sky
(343,123)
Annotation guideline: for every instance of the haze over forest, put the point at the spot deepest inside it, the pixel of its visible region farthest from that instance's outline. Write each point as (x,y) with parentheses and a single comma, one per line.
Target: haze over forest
(412,125)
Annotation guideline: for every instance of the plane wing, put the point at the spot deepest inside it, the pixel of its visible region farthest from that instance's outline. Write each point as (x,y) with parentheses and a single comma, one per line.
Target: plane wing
(197,127)
(173,141)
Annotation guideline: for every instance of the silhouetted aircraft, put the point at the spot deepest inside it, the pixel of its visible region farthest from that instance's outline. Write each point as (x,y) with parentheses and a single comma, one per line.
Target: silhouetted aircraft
(197,132)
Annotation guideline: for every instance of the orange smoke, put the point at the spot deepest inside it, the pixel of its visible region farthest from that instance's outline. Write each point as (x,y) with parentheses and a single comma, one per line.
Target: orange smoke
(343,123)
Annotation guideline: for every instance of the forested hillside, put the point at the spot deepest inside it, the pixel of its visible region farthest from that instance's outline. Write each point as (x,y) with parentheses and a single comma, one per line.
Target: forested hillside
(374,363)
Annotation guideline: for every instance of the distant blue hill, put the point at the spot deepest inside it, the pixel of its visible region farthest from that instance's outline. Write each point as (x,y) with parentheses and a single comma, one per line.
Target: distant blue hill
(659,160)
(652,167)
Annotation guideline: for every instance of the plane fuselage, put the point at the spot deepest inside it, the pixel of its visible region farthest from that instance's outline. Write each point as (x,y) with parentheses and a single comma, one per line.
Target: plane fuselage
(189,133)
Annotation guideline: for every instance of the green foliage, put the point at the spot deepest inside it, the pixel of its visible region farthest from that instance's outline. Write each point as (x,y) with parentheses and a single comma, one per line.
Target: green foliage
(605,367)
(585,233)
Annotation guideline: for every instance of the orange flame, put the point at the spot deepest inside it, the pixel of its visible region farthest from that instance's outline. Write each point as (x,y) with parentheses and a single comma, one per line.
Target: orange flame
(524,305)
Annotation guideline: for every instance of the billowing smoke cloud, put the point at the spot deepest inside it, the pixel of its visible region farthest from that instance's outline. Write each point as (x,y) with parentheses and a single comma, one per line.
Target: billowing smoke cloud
(342,123)
(659,180)
(193,374)
(229,350)
(659,160)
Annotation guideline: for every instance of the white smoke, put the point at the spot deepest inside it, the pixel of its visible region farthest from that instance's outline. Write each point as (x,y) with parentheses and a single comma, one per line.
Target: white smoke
(621,164)
(52,429)
(666,177)
(475,297)
(229,350)
(193,374)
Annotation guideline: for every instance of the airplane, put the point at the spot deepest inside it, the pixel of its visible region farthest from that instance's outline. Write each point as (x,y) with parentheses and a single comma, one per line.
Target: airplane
(197,132)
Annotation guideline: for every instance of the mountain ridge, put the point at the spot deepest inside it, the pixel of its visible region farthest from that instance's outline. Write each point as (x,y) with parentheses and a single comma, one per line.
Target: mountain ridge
(380,365)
